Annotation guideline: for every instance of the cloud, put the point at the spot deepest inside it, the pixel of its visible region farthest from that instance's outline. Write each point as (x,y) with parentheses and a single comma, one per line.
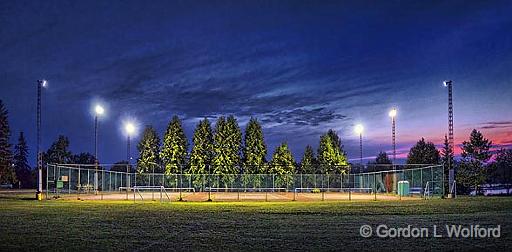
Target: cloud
(496,125)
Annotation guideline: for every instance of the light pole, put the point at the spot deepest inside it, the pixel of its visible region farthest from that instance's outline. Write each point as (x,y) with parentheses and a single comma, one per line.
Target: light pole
(392,114)
(130,130)
(99,110)
(451,174)
(359,130)
(39,194)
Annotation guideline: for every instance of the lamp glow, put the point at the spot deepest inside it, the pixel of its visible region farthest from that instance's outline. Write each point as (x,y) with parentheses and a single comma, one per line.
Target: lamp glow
(129,128)
(392,113)
(44,83)
(359,129)
(99,110)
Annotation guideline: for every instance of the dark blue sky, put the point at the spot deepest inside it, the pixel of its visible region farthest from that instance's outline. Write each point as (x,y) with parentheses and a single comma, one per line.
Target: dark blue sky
(300,67)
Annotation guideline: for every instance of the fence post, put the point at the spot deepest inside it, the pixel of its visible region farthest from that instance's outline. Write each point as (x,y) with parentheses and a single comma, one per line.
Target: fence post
(327,182)
(47,181)
(88,183)
(375,185)
(432,179)
(69,181)
(79,184)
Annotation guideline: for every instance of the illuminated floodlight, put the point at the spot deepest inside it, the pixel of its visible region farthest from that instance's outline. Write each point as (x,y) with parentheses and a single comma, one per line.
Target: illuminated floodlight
(99,110)
(129,128)
(359,129)
(392,113)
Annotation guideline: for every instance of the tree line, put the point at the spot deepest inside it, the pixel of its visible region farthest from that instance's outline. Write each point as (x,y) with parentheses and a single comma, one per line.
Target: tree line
(223,149)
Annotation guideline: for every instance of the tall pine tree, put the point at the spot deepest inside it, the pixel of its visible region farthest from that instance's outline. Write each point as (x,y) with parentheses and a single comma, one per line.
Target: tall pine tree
(227,146)
(331,156)
(447,154)
(7,173)
(308,164)
(174,148)
(149,148)
(471,172)
(282,166)
(448,163)
(202,151)
(255,149)
(23,170)
(282,161)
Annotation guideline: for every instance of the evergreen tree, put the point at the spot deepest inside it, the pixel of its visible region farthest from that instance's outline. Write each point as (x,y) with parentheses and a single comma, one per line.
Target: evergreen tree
(227,146)
(308,164)
(331,157)
(175,146)
(23,169)
(477,148)
(148,147)
(202,151)
(423,153)
(282,165)
(448,163)
(58,152)
(447,153)
(7,173)
(475,153)
(282,161)
(255,149)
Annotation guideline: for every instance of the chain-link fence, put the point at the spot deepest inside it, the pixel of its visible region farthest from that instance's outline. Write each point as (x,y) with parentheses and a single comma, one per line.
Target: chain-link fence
(101,181)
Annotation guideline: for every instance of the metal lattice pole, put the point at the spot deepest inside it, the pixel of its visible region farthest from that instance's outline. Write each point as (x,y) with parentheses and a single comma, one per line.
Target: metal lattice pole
(449,85)
(96,153)
(40,85)
(393,131)
(361,148)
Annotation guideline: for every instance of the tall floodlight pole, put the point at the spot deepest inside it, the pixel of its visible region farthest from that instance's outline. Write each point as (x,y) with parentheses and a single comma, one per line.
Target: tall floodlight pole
(359,130)
(99,110)
(39,194)
(130,130)
(451,173)
(392,114)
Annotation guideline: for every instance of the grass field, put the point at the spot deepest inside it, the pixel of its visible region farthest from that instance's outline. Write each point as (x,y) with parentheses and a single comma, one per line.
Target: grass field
(231,226)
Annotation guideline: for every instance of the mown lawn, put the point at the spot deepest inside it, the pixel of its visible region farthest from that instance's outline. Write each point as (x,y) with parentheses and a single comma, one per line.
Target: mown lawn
(305,226)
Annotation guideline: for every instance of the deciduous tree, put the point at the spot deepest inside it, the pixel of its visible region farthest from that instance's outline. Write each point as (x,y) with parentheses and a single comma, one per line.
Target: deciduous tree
(423,152)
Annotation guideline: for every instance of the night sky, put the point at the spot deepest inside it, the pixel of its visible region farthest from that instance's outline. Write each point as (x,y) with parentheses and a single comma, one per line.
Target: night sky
(300,67)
